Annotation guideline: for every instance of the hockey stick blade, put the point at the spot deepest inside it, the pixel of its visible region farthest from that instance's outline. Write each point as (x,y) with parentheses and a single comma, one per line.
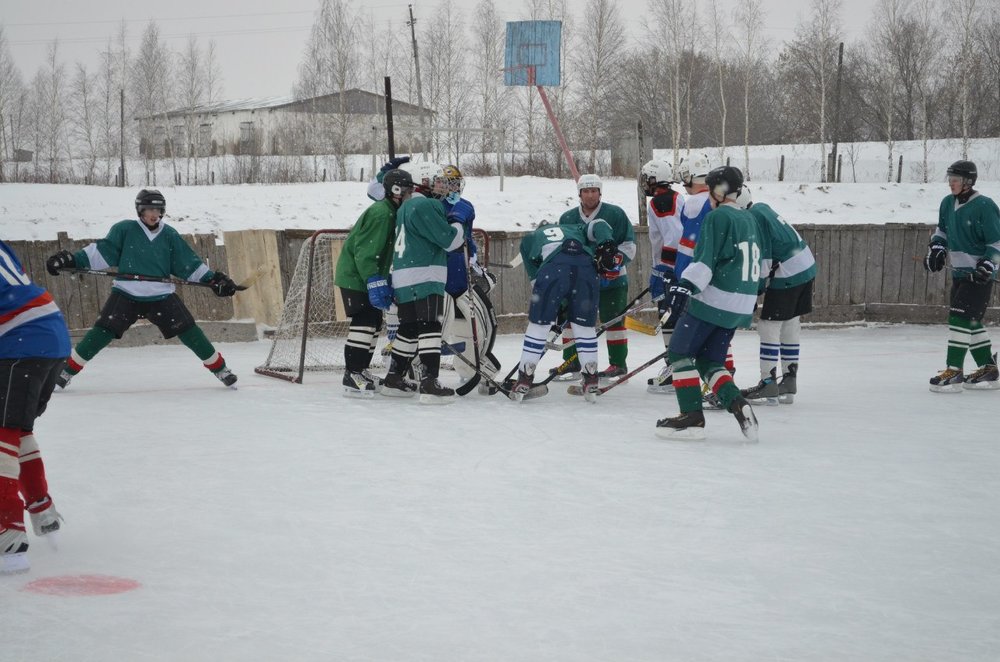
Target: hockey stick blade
(633,324)
(576,389)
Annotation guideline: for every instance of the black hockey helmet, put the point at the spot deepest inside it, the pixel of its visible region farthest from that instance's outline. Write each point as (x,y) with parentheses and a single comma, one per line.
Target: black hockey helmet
(397,182)
(965,169)
(150,198)
(724,181)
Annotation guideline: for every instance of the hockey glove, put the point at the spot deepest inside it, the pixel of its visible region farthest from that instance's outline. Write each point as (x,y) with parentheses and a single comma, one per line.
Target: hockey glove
(680,292)
(392,164)
(659,279)
(607,258)
(984,271)
(61,260)
(934,261)
(222,285)
(379,292)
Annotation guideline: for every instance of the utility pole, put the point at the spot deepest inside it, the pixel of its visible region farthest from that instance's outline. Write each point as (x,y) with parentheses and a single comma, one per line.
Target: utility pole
(121,133)
(832,168)
(416,65)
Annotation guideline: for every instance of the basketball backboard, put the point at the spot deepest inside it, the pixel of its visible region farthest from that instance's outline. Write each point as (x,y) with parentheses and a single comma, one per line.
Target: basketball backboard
(532,53)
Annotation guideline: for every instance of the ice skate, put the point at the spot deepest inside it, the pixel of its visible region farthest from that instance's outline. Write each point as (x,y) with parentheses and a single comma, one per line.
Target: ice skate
(227,377)
(948,380)
(612,373)
(591,382)
(358,385)
(432,393)
(663,382)
(395,385)
(689,425)
(787,386)
(986,378)
(571,373)
(64,378)
(766,391)
(523,384)
(743,412)
(13,552)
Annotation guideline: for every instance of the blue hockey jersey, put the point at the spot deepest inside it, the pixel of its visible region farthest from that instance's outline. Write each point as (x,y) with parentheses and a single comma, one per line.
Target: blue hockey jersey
(696,208)
(31,324)
(458,279)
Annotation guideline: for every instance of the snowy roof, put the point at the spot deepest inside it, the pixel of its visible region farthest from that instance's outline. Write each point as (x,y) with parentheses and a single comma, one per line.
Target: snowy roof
(357,101)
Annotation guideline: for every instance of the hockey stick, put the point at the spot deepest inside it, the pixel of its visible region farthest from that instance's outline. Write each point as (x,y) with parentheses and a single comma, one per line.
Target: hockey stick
(633,307)
(173,281)
(467,387)
(576,389)
(479,371)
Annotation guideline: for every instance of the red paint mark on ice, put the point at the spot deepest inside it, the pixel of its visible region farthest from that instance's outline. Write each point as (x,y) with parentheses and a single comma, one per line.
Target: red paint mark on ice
(70,585)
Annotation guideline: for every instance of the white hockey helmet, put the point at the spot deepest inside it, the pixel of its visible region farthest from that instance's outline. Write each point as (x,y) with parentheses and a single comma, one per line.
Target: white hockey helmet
(589,181)
(655,173)
(693,168)
(425,174)
(743,199)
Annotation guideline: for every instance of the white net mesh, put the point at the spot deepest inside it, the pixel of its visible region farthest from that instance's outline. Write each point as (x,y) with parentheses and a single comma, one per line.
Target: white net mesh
(313,327)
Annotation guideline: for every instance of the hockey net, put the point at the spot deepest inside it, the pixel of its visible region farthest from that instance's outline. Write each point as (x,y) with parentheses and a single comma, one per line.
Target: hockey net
(313,329)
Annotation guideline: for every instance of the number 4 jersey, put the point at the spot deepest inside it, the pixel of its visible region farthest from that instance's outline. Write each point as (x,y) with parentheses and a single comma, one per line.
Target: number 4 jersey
(725,268)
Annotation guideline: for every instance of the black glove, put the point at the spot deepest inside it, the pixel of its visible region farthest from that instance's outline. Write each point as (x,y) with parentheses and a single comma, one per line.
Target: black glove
(61,260)
(606,256)
(222,285)
(680,292)
(984,271)
(934,261)
(394,163)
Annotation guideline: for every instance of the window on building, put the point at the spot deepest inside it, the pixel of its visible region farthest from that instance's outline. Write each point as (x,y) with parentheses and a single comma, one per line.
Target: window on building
(246,134)
(205,139)
(177,140)
(159,141)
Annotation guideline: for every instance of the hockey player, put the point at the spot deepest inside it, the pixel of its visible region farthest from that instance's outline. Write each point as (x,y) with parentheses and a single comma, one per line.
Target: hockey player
(363,278)
(146,246)
(34,344)
(463,304)
(613,282)
(419,273)
(788,270)
(715,295)
(665,230)
(969,230)
(560,262)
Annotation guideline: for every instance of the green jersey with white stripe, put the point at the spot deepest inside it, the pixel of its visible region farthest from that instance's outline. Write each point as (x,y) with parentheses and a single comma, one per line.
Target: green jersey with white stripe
(420,254)
(969,231)
(782,247)
(725,268)
(539,246)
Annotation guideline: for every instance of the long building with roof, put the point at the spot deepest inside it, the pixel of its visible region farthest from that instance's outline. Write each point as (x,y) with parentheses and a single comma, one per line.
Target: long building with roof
(279,125)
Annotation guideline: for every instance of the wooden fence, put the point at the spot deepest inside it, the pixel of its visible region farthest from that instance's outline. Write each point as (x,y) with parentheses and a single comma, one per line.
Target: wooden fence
(866,273)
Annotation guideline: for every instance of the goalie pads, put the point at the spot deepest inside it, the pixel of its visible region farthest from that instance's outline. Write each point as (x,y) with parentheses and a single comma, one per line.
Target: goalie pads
(457,329)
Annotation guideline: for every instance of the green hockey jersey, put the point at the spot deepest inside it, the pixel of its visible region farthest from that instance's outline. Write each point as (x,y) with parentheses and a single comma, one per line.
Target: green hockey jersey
(969,231)
(782,249)
(546,241)
(135,249)
(367,251)
(420,254)
(725,269)
(621,229)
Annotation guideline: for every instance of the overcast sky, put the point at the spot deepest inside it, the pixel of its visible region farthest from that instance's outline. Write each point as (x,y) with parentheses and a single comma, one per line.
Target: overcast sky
(260,42)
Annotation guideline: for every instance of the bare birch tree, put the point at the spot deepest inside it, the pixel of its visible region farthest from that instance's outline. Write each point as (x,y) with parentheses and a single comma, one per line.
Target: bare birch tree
(330,65)
(150,90)
(598,61)
(722,38)
(965,15)
(191,93)
(10,96)
(84,109)
(669,17)
(487,78)
(815,49)
(750,41)
(446,80)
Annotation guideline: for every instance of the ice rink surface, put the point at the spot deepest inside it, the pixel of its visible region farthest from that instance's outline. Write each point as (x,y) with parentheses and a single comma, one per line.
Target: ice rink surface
(286,522)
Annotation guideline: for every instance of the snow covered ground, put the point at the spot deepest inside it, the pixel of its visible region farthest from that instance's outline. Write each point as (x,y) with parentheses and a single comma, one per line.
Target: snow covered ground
(39,211)
(283,522)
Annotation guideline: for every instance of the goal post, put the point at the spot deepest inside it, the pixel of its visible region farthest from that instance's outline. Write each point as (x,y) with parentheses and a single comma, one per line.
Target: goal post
(313,328)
